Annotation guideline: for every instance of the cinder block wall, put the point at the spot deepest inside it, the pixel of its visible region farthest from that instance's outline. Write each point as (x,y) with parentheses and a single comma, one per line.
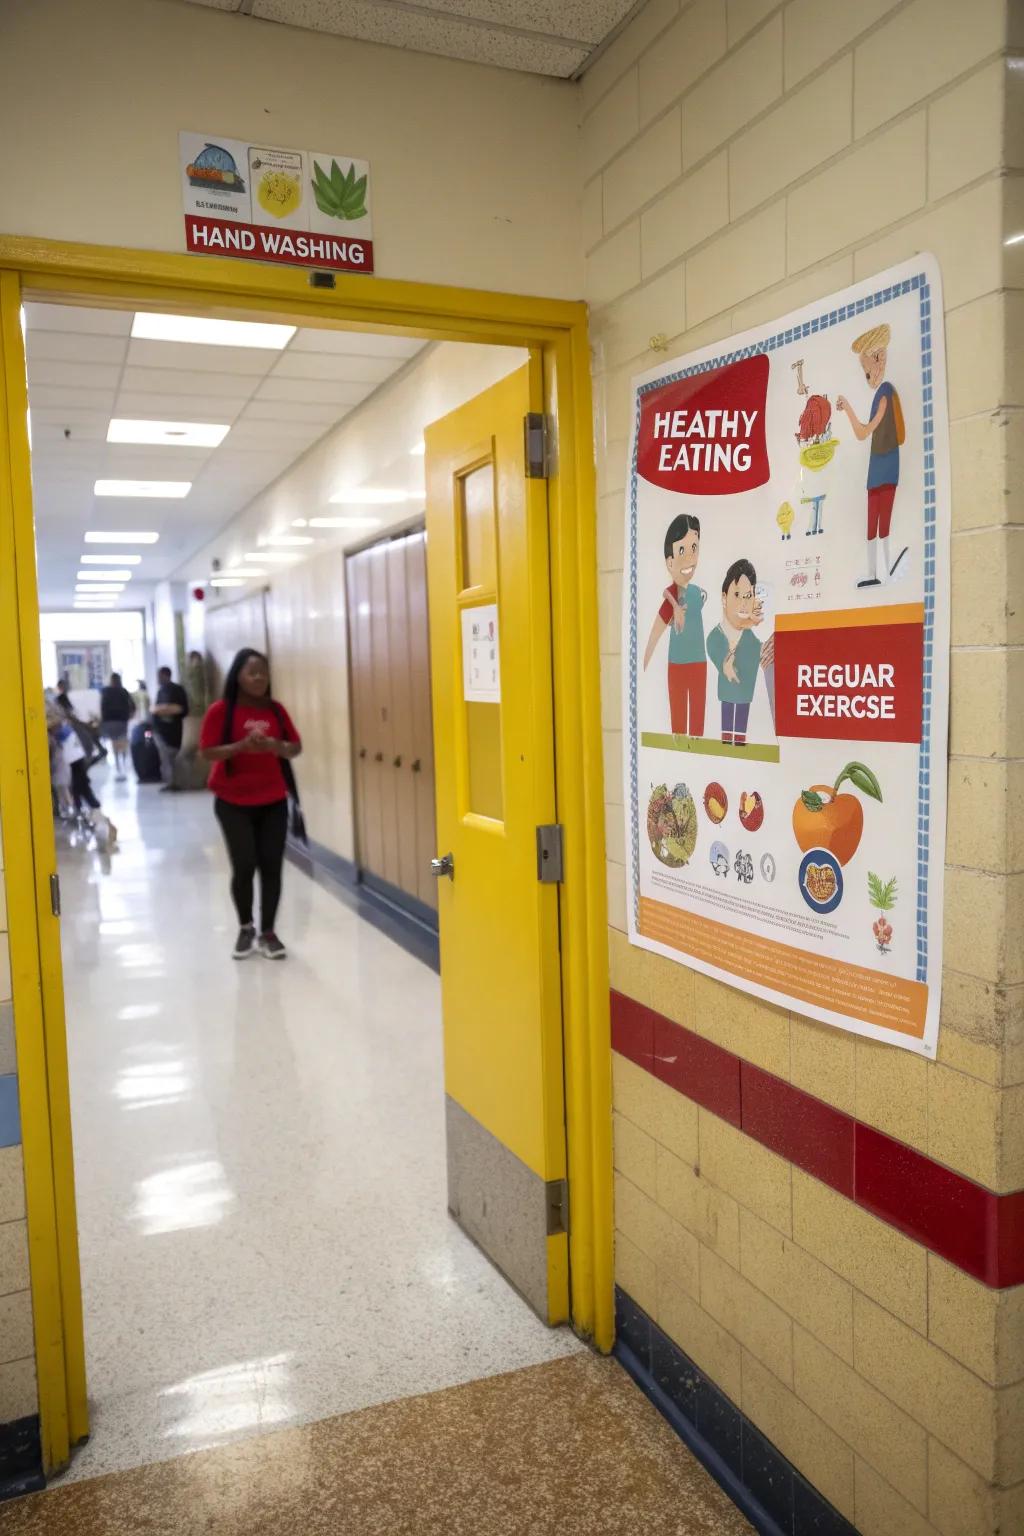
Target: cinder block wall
(742,157)
(17,1350)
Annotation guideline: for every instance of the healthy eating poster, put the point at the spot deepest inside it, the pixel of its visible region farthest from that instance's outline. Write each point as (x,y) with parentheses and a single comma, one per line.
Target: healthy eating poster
(785,654)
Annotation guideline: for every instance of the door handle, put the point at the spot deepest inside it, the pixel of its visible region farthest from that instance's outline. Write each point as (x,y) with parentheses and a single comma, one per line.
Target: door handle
(445,866)
(397,763)
(362,751)
(416,766)
(378,757)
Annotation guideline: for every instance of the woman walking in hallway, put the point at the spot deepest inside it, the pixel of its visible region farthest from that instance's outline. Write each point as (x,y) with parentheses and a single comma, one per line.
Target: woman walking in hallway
(116,709)
(250,740)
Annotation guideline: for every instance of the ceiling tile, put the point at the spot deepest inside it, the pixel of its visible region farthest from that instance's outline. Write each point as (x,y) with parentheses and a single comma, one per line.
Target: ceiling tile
(330,365)
(74,347)
(68,317)
(357,343)
(73,375)
(183,407)
(50,397)
(315,391)
(323,417)
(192,358)
(162,381)
(427,33)
(586,21)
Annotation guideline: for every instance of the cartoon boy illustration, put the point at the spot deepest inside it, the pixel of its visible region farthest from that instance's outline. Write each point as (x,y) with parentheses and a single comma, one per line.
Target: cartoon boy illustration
(682,613)
(886,430)
(736,651)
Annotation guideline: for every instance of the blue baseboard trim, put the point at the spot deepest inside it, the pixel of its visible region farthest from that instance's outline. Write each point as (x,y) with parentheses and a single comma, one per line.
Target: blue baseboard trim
(403,925)
(21,1458)
(768,1489)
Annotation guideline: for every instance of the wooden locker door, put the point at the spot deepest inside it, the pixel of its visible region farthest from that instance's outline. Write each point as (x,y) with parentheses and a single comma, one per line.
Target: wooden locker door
(422,765)
(361,682)
(384,752)
(401,713)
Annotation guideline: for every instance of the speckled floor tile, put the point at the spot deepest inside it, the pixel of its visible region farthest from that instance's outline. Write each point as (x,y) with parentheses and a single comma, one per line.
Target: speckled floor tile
(260,1158)
(570,1447)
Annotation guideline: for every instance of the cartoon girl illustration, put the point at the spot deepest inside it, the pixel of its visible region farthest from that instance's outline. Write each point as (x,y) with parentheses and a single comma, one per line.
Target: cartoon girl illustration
(682,613)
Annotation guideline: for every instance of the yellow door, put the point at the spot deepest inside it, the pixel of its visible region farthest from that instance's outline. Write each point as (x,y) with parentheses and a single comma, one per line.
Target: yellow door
(490,638)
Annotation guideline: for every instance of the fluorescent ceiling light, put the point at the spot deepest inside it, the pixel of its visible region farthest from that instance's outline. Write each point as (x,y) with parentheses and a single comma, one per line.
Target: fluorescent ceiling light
(107,537)
(372,496)
(266,554)
(285,539)
(166,490)
(344,522)
(171,434)
(419,451)
(299,522)
(211,333)
(102,586)
(227,581)
(106,559)
(94,575)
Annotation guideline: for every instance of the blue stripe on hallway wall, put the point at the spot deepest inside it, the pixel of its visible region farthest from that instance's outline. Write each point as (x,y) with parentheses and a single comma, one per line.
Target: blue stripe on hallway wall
(10,1118)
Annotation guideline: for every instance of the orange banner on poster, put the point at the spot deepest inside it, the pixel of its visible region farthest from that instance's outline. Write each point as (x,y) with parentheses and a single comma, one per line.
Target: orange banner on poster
(890,1002)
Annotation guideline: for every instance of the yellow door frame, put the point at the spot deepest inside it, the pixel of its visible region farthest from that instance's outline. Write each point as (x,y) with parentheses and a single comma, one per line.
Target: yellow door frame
(556,332)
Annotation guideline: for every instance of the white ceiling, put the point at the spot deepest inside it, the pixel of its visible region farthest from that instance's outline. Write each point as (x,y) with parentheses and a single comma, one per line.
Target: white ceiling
(84,368)
(543,37)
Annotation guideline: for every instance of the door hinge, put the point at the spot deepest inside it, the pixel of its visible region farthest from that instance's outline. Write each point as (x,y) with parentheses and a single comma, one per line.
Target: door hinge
(537,440)
(55,895)
(558,1206)
(549,854)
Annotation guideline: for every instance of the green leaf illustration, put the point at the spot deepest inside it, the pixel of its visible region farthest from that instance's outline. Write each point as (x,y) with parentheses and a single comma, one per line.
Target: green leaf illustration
(339,195)
(881,893)
(812,800)
(860,775)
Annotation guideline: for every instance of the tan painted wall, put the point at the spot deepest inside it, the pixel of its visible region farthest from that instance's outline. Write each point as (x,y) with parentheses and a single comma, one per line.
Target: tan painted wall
(17,1350)
(473,168)
(743,157)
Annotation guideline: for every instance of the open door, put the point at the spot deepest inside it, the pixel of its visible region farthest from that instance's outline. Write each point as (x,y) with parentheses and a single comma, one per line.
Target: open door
(490,637)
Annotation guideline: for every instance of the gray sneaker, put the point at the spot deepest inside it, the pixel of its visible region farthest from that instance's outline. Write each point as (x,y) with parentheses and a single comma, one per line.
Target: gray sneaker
(271,947)
(245,944)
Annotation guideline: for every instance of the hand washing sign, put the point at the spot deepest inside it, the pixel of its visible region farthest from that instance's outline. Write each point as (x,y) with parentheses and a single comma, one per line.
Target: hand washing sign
(262,203)
(785,640)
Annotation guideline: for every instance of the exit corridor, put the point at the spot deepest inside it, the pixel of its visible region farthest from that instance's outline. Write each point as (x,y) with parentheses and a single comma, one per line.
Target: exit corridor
(260,1158)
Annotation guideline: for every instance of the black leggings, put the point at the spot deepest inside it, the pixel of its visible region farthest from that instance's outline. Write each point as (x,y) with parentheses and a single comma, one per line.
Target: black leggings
(255,835)
(81,789)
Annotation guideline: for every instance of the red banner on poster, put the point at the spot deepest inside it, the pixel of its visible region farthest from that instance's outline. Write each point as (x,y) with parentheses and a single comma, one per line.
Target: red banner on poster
(705,435)
(857,683)
(296,248)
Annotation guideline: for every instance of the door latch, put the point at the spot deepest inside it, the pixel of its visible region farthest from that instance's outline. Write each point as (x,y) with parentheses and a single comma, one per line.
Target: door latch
(557,1206)
(549,854)
(55,895)
(443,866)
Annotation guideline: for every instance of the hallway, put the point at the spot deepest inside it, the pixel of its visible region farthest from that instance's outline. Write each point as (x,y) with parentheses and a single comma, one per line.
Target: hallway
(260,1158)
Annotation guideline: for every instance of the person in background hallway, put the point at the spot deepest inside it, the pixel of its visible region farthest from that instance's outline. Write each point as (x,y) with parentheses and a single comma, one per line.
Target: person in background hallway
(141,700)
(62,698)
(169,711)
(246,735)
(116,709)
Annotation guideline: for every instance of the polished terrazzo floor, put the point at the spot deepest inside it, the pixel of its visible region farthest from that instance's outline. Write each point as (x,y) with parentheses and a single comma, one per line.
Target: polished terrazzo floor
(260,1160)
(570,1448)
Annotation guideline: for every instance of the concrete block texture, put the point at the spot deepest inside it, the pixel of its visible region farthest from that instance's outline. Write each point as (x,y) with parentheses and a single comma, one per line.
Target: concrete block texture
(799,1433)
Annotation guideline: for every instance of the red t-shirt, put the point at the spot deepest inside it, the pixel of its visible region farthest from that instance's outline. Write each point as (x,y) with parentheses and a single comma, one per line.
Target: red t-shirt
(251,778)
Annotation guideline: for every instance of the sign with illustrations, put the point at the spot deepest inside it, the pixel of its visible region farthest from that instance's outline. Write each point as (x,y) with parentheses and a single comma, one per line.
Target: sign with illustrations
(785,645)
(481,665)
(263,203)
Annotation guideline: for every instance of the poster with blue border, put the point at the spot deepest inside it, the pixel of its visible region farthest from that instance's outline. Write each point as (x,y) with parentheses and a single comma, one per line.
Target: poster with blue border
(786,658)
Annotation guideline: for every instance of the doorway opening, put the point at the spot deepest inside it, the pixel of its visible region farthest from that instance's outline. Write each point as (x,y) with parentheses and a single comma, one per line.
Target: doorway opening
(303,607)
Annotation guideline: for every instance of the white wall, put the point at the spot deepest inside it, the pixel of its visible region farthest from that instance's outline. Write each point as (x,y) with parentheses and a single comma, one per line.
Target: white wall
(474,169)
(123,631)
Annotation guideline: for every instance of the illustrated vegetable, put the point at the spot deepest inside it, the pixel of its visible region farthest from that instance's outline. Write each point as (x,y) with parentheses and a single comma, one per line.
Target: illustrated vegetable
(823,818)
(716,802)
(751,811)
(882,896)
(340,196)
(672,825)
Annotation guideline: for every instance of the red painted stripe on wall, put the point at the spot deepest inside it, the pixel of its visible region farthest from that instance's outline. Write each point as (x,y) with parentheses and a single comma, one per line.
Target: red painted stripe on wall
(973,1228)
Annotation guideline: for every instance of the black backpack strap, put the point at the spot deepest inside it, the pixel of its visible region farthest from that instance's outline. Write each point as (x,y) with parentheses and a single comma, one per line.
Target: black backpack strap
(286,768)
